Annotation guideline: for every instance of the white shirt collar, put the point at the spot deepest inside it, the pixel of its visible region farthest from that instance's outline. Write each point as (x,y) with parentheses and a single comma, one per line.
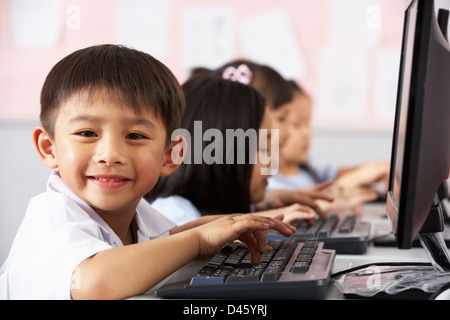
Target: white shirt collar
(150,222)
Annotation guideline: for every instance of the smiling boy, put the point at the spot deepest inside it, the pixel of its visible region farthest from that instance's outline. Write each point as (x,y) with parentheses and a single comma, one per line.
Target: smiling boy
(106,114)
(108,156)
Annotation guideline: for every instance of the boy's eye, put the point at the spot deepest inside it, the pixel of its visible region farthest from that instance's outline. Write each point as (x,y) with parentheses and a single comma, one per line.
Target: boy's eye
(135,136)
(87,134)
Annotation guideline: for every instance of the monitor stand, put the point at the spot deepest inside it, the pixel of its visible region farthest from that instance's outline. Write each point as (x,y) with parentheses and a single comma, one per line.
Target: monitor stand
(432,240)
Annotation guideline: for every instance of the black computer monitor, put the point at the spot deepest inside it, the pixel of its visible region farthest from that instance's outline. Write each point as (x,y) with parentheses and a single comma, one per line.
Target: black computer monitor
(420,158)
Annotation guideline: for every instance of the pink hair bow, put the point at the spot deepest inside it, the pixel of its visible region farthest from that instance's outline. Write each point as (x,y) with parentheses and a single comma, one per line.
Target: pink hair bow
(241,74)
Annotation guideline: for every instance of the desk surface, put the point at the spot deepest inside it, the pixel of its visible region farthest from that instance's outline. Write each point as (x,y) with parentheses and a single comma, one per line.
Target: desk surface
(372,213)
(375,214)
(373,255)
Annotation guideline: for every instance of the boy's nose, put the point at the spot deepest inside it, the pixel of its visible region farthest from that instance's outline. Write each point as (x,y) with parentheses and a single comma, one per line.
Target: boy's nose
(110,151)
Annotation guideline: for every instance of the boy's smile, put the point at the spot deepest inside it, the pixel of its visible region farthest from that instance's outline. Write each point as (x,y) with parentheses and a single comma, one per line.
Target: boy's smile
(107,154)
(109,181)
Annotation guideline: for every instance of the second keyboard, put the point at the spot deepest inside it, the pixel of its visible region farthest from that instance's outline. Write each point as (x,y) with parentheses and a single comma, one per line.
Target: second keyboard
(345,234)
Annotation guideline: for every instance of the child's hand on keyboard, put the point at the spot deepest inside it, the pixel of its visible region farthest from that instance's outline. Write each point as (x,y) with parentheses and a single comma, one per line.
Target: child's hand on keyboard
(247,228)
(291,213)
(305,197)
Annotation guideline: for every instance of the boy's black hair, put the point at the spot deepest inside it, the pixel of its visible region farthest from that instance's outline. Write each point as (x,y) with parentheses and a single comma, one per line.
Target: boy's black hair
(133,77)
(216,188)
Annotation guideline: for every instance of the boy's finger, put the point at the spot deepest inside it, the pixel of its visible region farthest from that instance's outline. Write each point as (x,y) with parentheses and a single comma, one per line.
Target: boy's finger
(260,240)
(251,242)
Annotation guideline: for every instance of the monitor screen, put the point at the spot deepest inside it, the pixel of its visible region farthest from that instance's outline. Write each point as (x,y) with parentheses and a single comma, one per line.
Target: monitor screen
(420,158)
(409,31)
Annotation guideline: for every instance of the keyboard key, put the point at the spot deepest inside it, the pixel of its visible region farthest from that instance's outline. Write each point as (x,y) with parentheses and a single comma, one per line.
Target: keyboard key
(243,279)
(239,272)
(270,276)
(308,250)
(310,244)
(267,256)
(199,281)
(245,263)
(207,270)
(347,225)
(300,267)
(223,271)
(275,266)
(327,227)
(311,233)
(304,257)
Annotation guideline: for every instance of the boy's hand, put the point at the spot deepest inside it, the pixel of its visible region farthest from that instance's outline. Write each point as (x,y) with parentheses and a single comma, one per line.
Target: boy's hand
(247,228)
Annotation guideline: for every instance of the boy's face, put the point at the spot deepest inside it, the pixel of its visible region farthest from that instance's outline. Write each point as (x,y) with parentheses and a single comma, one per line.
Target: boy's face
(107,154)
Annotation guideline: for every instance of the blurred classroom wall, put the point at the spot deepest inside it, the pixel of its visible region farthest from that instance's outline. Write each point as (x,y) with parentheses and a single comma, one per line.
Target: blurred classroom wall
(345,53)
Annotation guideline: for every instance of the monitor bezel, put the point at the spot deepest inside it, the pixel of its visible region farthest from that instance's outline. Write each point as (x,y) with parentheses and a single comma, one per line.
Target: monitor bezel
(402,212)
(426,160)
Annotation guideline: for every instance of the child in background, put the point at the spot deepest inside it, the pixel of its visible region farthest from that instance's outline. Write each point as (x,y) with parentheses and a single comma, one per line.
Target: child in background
(277,93)
(269,83)
(295,172)
(221,185)
(107,114)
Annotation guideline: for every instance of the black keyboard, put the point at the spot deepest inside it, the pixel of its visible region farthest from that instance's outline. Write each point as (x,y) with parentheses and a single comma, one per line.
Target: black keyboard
(291,270)
(345,234)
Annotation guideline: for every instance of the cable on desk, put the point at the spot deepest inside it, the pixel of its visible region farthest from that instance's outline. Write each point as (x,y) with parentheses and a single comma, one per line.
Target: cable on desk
(395,264)
(381,264)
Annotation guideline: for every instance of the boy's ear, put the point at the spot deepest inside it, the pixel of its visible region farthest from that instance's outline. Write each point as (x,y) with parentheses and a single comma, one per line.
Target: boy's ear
(44,146)
(173,156)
